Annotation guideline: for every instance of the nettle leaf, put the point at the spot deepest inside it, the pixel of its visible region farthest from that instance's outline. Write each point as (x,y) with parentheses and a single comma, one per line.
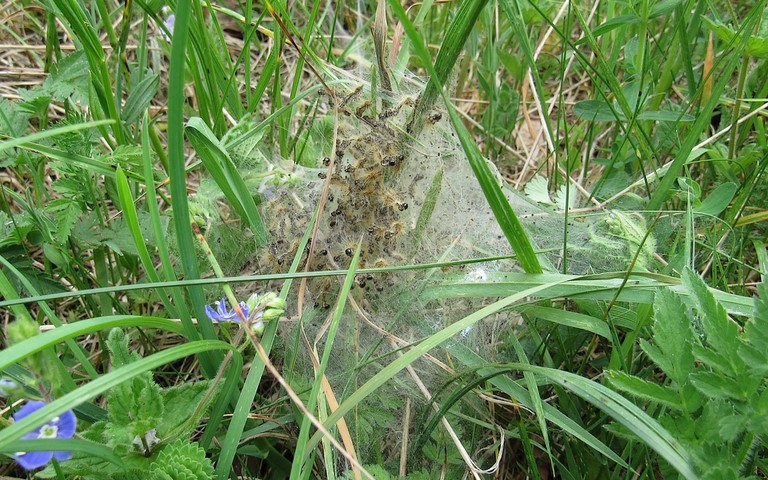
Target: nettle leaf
(185,400)
(181,460)
(135,406)
(645,390)
(673,335)
(119,353)
(721,333)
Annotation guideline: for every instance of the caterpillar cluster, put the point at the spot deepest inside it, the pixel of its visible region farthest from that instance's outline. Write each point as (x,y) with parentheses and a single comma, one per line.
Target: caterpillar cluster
(367,199)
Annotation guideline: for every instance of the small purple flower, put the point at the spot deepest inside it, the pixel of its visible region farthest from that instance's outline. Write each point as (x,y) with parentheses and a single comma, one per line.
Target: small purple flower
(169,23)
(221,314)
(58,427)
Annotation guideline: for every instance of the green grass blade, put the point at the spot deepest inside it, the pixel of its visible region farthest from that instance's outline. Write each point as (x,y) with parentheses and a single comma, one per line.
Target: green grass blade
(223,170)
(178,186)
(420,349)
(242,410)
(624,412)
(51,132)
(516,391)
(83,30)
(723,78)
(451,47)
(89,449)
(298,467)
(15,431)
(502,210)
(17,352)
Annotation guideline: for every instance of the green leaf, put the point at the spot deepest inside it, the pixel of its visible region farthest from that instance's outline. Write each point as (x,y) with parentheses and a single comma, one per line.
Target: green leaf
(717,200)
(716,385)
(103,384)
(68,79)
(570,319)
(596,111)
(673,335)
(537,189)
(665,116)
(756,358)
(612,24)
(756,328)
(624,412)
(722,333)
(139,98)
(182,460)
(756,46)
(181,402)
(135,406)
(663,7)
(645,390)
(86,448)
(732,426)
(222,169)
(119,353)
(712,359)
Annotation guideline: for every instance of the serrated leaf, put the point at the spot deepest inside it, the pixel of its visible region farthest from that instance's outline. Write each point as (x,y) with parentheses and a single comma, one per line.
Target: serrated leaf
(13,120)
(65,218)
(756,328)
(645,390)
(656,355)
(673,335)
(731,426)
(68,79)
(181,402)
(537,189)
(755,358)
(713,359)
(722,334)
(715,385)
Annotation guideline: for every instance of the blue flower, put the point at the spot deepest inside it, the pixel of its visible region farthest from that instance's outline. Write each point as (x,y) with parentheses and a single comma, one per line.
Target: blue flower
(58,427)
(221,314)
(169,23)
